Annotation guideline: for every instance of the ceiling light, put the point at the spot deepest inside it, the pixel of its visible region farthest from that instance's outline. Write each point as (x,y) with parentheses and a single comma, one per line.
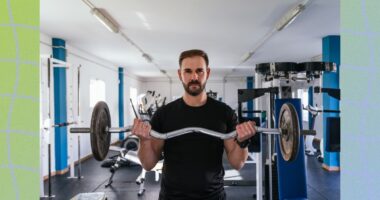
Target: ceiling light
(247,56)
(289,17)
(147,57)
(111,26)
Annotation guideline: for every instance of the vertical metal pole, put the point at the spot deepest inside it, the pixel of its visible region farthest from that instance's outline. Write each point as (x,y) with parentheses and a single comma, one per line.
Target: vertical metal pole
(271,115)
(72,166)
(79,163)
(49,168)
(259,155)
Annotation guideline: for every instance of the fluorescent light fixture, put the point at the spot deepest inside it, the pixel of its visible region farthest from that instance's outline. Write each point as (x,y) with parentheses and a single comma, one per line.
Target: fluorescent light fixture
(147,57)
(147,26)
(289,17)
(111,26)
(143,19)
(247,56)
(141,16)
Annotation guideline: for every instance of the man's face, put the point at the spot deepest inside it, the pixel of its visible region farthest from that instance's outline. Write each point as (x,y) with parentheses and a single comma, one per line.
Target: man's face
(194,74)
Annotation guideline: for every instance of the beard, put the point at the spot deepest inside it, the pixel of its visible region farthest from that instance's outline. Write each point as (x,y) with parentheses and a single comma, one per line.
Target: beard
(194,91)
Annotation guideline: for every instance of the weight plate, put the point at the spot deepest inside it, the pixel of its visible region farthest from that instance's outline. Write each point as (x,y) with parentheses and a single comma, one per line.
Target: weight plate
(315,66)
(285,67)
(263,68)
(100,137)
(131,144)
(290,132)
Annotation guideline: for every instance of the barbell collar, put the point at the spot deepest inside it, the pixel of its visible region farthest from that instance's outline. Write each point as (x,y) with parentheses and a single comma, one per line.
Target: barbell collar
(120,130)
(269,131)
(80,130)
(308,132)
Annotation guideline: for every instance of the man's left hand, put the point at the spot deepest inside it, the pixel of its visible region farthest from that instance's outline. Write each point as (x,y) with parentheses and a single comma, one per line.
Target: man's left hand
(245,130)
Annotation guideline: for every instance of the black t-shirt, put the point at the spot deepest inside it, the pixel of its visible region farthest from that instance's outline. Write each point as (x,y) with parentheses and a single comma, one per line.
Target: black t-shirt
(193,162)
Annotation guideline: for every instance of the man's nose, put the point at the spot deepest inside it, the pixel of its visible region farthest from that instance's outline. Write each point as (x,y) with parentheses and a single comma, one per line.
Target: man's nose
(194,76)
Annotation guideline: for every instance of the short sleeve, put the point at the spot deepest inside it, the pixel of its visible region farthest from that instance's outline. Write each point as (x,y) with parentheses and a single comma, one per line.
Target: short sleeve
(156,120)
(232,120)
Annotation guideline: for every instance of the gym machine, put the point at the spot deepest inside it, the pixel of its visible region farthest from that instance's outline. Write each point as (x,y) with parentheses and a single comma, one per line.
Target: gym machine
(280,80)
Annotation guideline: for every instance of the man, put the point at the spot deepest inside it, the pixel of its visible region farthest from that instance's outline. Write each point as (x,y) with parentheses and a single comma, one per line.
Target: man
(193,162)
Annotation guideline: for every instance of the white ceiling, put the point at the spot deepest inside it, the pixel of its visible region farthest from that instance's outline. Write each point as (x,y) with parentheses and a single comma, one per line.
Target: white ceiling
(225,29)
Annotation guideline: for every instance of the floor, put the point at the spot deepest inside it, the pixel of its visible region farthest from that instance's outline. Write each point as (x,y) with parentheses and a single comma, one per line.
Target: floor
(321,184)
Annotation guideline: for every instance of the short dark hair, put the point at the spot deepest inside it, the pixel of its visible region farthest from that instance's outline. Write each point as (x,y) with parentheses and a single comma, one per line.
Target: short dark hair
(191,53)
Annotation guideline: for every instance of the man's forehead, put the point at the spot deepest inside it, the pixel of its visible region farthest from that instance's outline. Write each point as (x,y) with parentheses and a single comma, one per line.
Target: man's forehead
(193,67)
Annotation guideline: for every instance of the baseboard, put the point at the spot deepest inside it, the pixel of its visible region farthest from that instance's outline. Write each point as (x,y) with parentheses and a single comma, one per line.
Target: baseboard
(330,169)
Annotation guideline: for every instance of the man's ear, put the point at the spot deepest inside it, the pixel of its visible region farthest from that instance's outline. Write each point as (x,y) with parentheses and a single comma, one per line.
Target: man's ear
(208,72)
(179,74)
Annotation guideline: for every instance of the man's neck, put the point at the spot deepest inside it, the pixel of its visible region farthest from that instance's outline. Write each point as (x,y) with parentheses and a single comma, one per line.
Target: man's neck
(195,101)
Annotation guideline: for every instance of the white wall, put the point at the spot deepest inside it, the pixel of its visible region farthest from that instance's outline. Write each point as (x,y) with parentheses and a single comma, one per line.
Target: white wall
(227,90)
(91,68)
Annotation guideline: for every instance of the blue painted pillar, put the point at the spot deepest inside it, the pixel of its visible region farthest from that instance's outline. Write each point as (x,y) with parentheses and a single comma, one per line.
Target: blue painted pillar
(121,101)
(60,105)
(250,84)
(330,53)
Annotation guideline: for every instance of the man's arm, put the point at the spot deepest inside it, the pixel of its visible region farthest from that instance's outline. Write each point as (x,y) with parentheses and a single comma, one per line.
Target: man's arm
(235,154)
(149,152)
(150,149)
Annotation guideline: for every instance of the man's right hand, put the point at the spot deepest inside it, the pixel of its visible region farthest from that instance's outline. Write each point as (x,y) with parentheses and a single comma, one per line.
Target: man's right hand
(141,129)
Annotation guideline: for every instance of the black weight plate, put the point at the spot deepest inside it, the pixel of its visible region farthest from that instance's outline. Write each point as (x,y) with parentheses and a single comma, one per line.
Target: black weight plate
(100,137)
(285,67)
(314,66)
(300,68)
(263,68)
(290,132)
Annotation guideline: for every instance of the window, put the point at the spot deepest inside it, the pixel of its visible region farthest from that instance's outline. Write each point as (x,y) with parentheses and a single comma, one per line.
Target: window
(97,91)
(133,96)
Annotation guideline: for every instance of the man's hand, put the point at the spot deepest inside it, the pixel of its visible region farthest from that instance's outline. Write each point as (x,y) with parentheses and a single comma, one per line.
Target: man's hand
(245,130)
(141,129)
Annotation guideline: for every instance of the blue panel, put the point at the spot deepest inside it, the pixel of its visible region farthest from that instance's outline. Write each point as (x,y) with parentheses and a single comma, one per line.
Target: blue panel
(291,175)
(60,106)
(250,103)
(121,101)
(331,53)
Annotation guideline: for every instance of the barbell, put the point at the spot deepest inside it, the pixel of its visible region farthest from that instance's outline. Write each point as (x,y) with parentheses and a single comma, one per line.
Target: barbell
(100,131)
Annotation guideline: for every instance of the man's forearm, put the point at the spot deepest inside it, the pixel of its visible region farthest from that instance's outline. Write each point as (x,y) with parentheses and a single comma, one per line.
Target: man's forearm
(236,155)
(147,155)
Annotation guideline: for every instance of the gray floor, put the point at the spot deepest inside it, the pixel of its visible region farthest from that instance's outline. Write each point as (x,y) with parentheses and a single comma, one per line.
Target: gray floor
(321,184)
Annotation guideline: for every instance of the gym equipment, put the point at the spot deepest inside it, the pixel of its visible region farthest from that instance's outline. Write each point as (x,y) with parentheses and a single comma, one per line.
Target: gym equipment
(101,128)
(289,70)
(212,94)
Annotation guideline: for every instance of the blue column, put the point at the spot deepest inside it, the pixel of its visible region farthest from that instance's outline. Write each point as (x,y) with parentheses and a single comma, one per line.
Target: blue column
(250,84)
(121,101)
(330,53)
(60,105)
